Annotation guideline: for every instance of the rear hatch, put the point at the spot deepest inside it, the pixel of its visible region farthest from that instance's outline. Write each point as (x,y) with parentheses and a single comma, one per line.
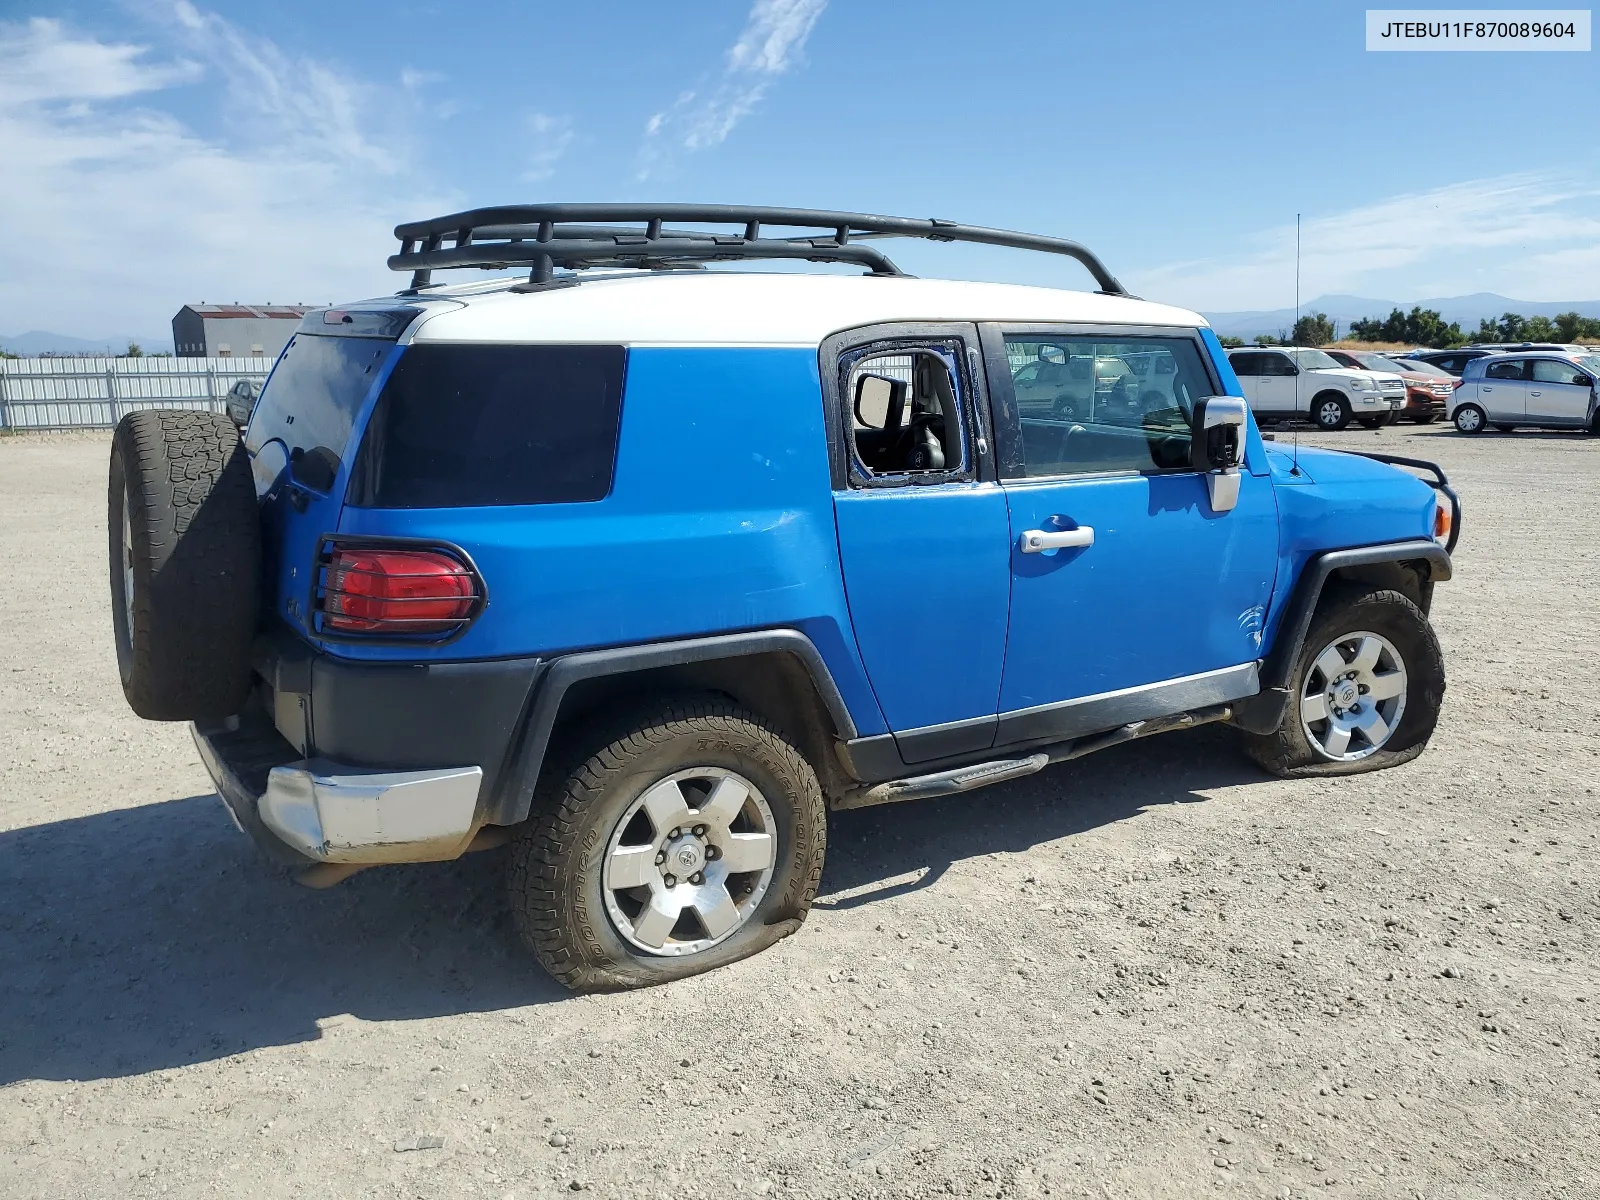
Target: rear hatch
(301,438)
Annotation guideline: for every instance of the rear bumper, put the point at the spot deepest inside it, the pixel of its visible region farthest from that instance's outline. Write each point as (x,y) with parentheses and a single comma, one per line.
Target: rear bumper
(303,811)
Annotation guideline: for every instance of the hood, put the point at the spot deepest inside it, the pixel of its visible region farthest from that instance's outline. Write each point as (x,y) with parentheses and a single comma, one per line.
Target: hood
(1338,499)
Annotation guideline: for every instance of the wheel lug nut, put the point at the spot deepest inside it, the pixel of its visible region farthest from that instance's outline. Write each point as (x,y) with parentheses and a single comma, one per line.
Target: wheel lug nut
(670,880)
(661,857)
(699,831)
(712,852)
(676,833)
(697,879)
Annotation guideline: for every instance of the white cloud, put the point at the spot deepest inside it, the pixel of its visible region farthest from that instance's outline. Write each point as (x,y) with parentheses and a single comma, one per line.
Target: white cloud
(1529,236)
(550,137)
(769,46)
(132,213)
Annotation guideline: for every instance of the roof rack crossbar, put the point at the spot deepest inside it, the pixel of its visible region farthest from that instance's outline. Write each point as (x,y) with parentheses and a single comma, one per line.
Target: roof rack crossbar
(575,236)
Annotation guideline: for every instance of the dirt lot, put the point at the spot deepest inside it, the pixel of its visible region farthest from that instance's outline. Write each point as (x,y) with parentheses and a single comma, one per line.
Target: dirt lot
(1154,972)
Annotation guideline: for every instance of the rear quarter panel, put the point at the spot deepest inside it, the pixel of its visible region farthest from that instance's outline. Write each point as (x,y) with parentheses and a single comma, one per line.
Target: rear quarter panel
(720,519)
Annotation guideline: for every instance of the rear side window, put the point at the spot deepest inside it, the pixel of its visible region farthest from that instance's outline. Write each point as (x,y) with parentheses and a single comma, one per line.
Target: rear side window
(1512,369)
(472,425)
(315,391)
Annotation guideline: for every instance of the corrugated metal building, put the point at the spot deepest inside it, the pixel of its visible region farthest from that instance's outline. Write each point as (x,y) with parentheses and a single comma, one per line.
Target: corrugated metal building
(235,330)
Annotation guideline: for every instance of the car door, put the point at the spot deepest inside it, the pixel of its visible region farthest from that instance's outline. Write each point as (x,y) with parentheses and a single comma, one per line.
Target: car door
(1159,607)
(1246,365)
(923,531)
(1504,390)
(1558,392)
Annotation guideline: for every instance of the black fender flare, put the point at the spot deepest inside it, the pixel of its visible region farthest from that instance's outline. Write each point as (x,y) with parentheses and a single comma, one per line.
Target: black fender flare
(556,677)
(1263,712)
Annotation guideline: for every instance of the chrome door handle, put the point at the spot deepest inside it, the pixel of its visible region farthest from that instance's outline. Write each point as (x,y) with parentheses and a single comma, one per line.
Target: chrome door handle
(1035,540)
(1535,393)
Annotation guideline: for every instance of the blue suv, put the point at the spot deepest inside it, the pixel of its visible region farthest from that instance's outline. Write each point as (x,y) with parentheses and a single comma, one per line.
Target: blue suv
(643,567)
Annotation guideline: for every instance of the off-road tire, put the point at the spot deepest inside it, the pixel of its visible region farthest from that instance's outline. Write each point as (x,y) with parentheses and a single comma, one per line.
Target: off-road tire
(1323,399)
(196,560)
(1287,752)
(556,861)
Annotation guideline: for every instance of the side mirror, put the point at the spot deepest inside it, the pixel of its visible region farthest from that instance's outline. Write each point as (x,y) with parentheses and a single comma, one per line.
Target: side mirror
(1217,447)
(877,399)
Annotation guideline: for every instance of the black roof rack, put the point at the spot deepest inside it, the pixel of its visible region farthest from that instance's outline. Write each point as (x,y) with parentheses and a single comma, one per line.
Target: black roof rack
(543,237)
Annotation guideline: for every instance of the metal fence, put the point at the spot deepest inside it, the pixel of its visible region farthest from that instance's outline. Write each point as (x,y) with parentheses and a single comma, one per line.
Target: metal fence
(94,393)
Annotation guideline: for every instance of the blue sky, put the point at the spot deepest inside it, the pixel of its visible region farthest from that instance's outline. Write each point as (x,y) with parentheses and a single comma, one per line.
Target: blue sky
(167,152)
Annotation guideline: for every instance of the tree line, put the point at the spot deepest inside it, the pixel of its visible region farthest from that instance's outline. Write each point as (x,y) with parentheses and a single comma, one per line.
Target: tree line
(1425,327)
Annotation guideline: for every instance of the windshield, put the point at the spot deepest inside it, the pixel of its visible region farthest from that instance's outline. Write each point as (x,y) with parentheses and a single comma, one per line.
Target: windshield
(1590,362)
(1315,360)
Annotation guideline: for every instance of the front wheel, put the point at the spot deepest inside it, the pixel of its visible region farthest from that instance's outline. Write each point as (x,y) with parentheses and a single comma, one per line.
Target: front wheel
(1470,418)
(1366,689)
(690,839)
(1331,413)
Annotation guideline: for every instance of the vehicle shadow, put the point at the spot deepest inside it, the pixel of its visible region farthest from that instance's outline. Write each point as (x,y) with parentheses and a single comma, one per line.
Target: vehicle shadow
(870,845)
(157,936)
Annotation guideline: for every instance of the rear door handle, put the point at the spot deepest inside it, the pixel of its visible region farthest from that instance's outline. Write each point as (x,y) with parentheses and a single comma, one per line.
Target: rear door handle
(1035,540)
(1535,393)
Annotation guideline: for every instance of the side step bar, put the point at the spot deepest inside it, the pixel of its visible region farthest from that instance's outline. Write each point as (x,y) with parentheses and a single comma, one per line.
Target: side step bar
(977,775)
(947,783)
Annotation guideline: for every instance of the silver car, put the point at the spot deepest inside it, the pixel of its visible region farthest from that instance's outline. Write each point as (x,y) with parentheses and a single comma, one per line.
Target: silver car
(1546,390)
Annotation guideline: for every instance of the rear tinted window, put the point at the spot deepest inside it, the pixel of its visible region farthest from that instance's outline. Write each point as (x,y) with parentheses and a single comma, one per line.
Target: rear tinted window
(469,425)
(315,391)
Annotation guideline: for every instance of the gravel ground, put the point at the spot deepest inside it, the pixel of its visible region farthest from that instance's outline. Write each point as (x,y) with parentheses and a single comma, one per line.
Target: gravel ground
(1153,972)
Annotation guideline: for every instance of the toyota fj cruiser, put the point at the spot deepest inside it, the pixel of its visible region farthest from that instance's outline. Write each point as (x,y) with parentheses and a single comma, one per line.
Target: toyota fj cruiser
(644,567)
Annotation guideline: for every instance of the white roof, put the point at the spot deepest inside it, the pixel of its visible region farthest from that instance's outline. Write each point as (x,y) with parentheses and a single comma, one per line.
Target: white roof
(745,308)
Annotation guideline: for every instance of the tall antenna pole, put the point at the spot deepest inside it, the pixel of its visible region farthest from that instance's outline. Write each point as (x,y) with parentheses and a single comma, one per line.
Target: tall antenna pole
(1295,470)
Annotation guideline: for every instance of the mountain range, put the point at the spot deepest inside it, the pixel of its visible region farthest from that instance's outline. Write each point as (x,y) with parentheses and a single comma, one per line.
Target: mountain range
(1466,310)
(38,342)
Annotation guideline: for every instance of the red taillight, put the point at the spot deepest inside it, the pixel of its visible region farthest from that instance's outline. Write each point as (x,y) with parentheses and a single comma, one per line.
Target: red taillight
(401,591)
(1456,383)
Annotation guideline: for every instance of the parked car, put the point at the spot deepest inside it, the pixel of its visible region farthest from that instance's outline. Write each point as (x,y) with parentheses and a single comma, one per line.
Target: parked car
(1547,391)
(1546,347)
(646,572)
(1428,389)
(1453,361)
(1290,381)
(240,400)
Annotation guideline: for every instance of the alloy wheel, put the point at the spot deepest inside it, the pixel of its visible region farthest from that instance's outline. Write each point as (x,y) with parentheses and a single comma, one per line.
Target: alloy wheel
(690,860)
(1353,696)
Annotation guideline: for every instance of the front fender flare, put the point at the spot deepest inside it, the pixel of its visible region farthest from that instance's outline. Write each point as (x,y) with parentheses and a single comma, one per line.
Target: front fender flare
(1263,712)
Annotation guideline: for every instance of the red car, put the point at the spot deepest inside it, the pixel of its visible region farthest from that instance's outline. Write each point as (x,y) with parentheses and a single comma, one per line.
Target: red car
(1428,388)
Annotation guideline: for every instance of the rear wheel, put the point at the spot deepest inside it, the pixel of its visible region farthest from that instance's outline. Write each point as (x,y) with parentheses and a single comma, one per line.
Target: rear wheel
(1367,687)
(1330,411)
(1374,422)
(185,552)
(1469,418)
(1504,428)
(1427,418)
(690,839)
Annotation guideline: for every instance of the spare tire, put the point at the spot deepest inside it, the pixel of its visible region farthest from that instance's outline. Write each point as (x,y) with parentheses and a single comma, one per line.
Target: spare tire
(185,539)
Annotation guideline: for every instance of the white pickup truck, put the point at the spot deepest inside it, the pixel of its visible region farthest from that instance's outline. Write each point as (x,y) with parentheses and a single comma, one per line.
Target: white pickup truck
(1282,382)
